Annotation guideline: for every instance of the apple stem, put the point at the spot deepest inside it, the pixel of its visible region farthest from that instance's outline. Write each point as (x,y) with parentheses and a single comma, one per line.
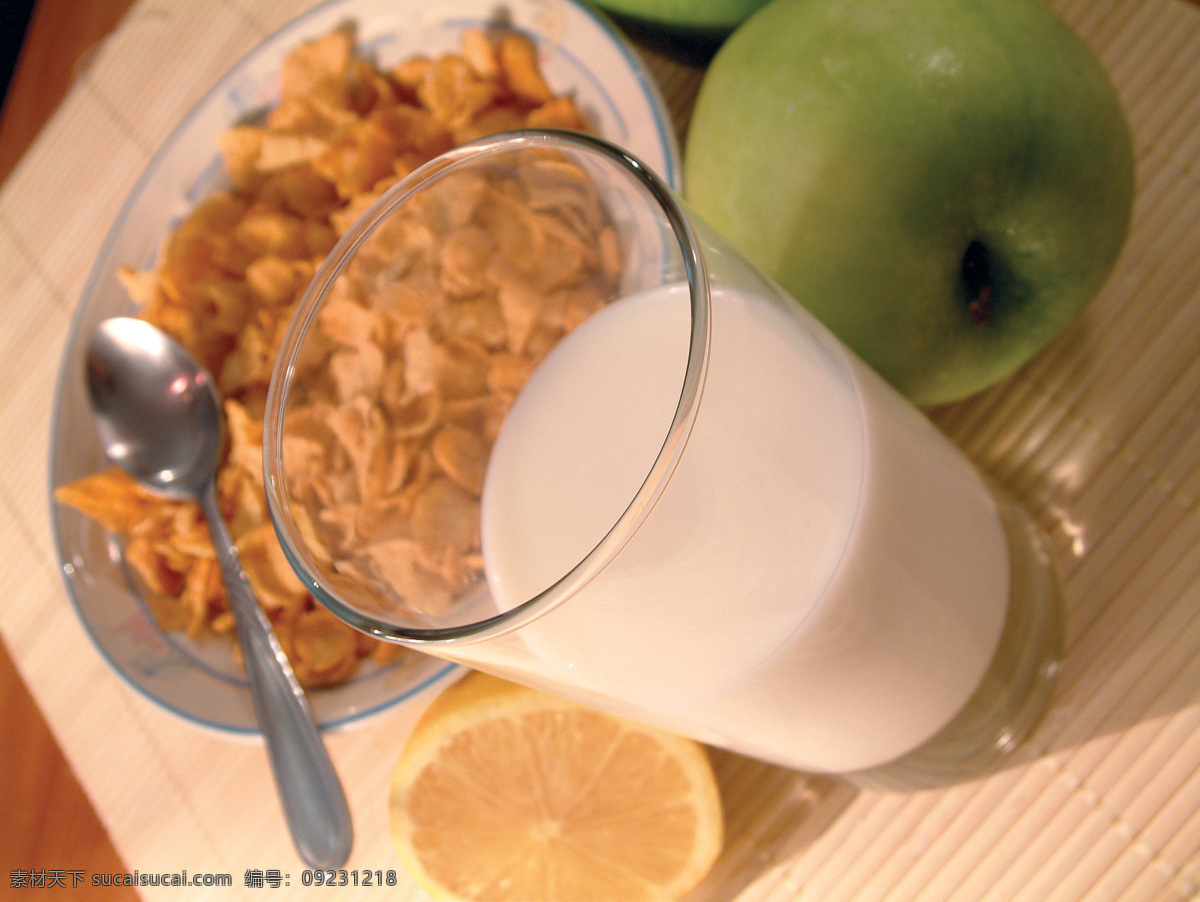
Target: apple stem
(981,308)
(978,281)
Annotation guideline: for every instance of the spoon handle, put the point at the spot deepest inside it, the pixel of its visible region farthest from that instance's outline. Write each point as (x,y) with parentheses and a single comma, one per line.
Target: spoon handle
(313,801)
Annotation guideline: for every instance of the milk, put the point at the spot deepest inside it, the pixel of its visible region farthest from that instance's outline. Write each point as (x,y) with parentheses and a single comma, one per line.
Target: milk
(822,582)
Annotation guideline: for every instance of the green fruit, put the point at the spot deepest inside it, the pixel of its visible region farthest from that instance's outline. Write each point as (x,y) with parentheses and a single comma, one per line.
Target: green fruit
(704,15)
(946,184)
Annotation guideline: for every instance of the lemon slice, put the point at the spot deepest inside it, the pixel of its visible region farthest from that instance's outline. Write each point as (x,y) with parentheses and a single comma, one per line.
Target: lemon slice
(505,792)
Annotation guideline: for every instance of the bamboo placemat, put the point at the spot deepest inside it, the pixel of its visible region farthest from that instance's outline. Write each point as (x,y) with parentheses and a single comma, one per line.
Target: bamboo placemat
(1098,436)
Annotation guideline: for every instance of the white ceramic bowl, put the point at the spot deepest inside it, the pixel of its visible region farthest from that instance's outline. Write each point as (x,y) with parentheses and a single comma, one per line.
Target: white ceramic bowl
(201,681)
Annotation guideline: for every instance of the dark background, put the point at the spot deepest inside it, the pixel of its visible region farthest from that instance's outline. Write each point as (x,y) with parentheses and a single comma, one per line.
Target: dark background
(14,19)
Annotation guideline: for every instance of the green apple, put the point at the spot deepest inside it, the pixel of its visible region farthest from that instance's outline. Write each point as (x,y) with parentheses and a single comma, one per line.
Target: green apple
(720,16)
(946,184)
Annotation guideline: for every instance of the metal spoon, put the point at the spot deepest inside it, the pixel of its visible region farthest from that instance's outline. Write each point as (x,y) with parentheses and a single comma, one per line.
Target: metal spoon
(158,413)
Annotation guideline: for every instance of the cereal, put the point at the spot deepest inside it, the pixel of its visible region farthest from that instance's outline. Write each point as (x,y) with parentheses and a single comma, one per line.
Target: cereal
(427,336)
(388,454)
(462,455)
(324,649)
(518,63)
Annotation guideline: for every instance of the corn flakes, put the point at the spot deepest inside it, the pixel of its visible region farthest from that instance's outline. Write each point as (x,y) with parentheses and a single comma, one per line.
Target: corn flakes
(429,332)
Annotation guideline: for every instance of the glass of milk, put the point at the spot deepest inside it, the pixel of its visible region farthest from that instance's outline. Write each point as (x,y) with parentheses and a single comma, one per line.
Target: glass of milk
(702,512)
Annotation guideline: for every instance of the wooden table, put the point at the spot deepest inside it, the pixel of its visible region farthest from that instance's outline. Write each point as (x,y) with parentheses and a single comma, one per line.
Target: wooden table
(1097,436)
(48,821)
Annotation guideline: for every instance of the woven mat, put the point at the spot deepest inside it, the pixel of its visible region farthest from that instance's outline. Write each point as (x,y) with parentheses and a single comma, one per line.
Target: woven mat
(1098,436)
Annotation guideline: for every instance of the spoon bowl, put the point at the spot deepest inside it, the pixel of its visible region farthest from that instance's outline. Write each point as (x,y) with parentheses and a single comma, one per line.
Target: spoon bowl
(158,414)
(156,408)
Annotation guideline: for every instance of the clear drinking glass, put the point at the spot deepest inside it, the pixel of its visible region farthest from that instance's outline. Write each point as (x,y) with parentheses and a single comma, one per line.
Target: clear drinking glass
(701,511)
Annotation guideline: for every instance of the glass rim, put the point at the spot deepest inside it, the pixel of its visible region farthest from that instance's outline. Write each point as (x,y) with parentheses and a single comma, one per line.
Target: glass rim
(656,478)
